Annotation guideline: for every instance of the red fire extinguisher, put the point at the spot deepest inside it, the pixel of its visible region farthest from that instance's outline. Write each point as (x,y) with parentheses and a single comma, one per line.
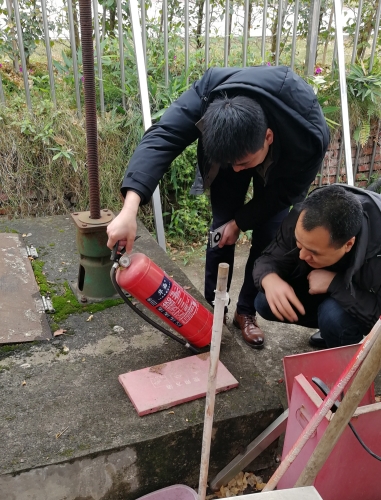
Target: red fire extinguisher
(153,288)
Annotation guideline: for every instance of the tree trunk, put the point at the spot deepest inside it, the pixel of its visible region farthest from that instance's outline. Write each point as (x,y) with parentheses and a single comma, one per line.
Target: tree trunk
(112,11)
(274,28)
(76,24)
(15,58)
(366,31)
(200,17)
(327,39)
(249,16)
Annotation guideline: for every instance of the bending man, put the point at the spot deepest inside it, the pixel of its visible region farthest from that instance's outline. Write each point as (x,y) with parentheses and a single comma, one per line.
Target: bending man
(259,124)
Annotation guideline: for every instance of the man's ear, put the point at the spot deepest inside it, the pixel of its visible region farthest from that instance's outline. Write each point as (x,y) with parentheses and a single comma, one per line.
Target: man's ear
(349,244)
(269,138)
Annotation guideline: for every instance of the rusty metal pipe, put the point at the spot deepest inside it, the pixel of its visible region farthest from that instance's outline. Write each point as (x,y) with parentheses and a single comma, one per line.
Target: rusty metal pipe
(90,106)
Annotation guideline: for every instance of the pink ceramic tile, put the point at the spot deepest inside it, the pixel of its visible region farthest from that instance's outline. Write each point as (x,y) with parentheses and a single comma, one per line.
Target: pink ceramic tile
(162,386)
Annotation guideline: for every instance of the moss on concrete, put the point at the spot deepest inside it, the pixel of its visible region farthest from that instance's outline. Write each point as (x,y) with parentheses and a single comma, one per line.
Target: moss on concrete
(66,303)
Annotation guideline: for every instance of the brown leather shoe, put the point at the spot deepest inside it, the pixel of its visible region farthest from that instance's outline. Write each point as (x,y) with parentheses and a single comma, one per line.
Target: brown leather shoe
(251,333)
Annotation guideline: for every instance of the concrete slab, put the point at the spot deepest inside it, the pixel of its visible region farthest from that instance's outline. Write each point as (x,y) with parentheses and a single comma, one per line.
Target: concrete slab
(22,315)
(68,430)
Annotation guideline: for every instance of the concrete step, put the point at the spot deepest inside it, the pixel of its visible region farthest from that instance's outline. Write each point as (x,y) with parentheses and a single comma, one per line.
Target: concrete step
(70,432)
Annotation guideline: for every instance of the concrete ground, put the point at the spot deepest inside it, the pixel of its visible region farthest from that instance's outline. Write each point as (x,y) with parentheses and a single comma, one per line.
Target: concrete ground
(68,429)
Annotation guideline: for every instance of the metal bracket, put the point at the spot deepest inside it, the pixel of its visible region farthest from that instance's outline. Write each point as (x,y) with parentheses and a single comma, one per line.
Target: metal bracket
(32,252)
(47,303)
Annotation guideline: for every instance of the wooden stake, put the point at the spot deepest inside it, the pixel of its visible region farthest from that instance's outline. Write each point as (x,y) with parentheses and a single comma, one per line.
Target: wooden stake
(221,298)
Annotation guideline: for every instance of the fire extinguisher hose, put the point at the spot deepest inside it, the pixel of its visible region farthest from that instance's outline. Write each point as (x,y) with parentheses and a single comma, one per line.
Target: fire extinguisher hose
(126,298)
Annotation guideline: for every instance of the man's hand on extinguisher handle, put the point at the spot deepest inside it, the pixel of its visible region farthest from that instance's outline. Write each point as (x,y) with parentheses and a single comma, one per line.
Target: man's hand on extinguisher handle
(123,228)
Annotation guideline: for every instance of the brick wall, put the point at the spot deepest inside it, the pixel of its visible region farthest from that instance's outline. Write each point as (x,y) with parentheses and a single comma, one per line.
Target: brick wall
(328,175)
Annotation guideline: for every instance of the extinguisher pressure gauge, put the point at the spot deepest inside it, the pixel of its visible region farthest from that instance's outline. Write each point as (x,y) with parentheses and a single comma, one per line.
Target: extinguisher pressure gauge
(124,261)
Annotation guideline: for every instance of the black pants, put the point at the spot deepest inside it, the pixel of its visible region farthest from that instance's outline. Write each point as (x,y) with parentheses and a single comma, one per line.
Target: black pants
(337,326)
(227,193)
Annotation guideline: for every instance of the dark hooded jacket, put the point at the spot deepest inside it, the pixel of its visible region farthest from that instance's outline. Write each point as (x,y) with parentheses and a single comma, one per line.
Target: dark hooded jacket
(357,288)
(301,137)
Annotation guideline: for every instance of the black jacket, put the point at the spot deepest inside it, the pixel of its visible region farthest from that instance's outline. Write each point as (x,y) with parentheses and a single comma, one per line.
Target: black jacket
(358,288)
(301,137)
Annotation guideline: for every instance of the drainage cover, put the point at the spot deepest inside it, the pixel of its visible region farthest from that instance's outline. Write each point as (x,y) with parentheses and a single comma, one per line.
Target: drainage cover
(22,316)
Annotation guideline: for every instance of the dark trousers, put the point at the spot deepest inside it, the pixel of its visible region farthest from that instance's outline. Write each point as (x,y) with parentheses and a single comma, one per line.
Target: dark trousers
(227,194)
(337,326)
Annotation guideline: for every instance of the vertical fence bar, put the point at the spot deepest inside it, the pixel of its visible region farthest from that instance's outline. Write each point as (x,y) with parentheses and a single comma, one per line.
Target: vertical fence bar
(121,52)
(74,57)
(356,165)
(144,96)
(99,56)
(264,29)
(343,91)
(246,29)
(376,143)
(48,52)
(144,28)
(338,168)
(312,38)
(226,40)
(22,54)
(294,33)
(186,38)
(357,31)
(375,36)
(165,18)
(328,39)
(2,96)
(103,23)
(207,25)
(278,31)
(12,31)
(321,173)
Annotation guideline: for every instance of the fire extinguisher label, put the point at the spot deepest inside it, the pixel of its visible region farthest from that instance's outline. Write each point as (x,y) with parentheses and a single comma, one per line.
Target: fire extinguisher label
(169,317)
(161,292)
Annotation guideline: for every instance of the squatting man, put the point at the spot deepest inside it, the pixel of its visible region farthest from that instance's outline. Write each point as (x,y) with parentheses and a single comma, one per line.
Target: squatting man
(257,124)
(323,270)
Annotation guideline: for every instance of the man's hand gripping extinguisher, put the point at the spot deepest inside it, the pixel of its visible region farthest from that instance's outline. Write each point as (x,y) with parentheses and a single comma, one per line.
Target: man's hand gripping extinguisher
(142,279)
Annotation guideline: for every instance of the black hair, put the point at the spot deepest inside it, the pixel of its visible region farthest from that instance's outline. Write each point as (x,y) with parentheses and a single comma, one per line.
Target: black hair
(337,210)
(232,128)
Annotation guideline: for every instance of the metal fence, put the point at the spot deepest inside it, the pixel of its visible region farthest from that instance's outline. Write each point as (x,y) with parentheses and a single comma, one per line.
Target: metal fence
(233,23)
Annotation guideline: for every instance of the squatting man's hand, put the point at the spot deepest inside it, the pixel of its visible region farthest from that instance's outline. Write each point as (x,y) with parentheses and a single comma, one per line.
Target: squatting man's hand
(281,298)
(230,234)
(319,281)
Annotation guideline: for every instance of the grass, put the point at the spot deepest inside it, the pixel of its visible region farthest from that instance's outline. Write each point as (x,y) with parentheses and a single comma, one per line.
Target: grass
(64,301)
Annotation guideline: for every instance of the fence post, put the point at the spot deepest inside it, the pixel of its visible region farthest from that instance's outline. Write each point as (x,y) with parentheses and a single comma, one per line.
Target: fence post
(312,37)
(14,43)
(48,52)
(121,52)
(207,27)
(144,97)
(99,56)
(74,57)
(343,92)
(2,96)
(246,32)
(264,28)
(22,55)
(295,29)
